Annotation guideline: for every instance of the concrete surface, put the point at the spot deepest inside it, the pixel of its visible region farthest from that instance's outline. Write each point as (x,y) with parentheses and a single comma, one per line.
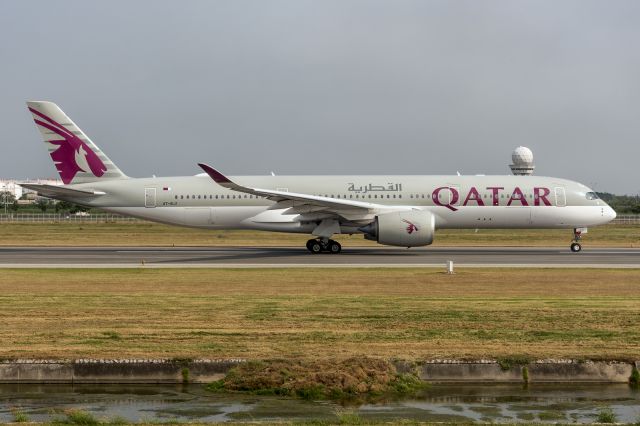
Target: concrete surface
(289,257)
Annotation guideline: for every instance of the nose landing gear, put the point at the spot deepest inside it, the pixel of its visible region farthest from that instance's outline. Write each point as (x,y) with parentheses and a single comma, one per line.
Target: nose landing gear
(577,235)
(325,245)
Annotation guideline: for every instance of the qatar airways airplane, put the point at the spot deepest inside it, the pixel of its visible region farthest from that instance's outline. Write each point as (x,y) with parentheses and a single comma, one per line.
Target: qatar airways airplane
(392,210)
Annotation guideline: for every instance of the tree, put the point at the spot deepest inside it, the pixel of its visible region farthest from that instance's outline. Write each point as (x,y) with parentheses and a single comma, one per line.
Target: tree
(66,206)
(42,204)
(63,206)
(6,198)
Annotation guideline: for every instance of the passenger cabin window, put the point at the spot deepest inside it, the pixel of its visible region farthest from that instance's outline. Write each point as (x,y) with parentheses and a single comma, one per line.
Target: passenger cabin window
(592,196)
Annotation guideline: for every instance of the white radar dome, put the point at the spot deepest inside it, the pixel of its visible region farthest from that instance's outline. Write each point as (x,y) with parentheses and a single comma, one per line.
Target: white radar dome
(522,156)
(522,159)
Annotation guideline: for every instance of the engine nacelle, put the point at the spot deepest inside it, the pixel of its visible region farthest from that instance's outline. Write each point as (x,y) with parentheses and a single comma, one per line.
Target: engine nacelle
(404,229)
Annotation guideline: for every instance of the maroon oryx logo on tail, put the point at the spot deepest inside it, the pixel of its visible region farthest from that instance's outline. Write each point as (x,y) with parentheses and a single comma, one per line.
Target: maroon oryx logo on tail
(411,227)
(72,155)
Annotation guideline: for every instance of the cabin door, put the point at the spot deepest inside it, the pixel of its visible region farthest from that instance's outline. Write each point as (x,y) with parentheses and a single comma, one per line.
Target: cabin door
(561,199)
(149,197)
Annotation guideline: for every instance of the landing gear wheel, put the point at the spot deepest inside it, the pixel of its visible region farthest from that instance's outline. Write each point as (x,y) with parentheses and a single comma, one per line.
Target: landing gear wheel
(314,246)
(327,246)
(309,243)
(577,235)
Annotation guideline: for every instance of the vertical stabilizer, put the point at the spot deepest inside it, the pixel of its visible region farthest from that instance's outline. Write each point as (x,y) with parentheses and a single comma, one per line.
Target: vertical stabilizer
(76,157)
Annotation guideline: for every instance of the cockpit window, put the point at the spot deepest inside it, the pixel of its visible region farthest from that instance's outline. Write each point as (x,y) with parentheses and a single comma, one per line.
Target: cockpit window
(592,196)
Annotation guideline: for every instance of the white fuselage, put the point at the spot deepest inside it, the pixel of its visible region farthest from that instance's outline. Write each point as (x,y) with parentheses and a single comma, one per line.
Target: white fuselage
(455,201)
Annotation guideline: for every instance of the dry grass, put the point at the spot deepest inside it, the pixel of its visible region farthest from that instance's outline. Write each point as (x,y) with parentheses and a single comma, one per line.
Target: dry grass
(135,234)
(319,313)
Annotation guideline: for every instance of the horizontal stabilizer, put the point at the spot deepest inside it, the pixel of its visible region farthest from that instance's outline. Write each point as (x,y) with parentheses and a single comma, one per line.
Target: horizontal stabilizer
(53,191)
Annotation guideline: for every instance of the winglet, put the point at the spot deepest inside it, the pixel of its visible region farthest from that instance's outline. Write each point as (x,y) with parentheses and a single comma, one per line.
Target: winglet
(215,175)
(222,180)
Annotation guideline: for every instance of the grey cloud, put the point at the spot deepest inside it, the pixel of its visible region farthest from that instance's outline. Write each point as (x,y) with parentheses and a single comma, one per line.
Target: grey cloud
(323,87)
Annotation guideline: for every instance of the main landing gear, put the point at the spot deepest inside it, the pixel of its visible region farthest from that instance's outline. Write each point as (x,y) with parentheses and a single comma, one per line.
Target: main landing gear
(323,245)
(575,245)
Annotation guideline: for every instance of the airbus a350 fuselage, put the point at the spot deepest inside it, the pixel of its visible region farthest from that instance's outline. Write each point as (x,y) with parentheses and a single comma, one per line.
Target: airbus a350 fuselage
(455,201)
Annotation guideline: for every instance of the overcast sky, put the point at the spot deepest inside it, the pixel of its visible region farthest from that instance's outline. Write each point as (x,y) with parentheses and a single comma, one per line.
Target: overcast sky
(330,87)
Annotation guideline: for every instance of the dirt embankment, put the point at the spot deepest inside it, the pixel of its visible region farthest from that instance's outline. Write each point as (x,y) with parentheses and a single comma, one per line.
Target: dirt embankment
(321,379)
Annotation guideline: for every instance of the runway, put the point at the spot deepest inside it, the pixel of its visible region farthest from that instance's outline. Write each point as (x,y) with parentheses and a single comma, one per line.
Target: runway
(246,257)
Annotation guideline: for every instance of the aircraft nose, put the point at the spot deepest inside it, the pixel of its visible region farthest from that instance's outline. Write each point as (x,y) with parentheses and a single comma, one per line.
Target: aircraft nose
(610,213)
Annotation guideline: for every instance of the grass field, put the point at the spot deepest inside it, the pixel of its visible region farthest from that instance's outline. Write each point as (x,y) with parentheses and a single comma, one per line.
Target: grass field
(320,313)
(110,234)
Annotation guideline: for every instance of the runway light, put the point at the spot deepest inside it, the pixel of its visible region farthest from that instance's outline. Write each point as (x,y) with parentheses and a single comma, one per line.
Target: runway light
(449,265)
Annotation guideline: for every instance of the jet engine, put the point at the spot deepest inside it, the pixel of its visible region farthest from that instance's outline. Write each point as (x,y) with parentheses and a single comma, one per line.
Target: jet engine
(404,229)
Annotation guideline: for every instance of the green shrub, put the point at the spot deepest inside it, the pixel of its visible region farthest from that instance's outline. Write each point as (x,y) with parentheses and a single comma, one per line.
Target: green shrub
(525,374)
(79,417)
(217,386)
(406,384)
(312,393)
(349,418)
(606,415)
(634,380)
(185,375)
(19,416)
(507,363)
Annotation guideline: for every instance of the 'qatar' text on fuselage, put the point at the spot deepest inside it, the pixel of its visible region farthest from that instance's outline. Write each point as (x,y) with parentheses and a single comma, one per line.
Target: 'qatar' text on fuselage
(540,197)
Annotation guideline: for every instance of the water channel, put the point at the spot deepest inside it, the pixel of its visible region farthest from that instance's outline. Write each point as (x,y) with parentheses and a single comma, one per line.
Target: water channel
(483,403)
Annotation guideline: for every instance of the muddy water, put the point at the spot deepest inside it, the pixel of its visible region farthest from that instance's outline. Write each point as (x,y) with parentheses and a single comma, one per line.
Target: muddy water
(485,403)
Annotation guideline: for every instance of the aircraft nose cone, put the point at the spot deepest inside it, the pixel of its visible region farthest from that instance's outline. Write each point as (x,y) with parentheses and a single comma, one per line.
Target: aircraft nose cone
(609,213)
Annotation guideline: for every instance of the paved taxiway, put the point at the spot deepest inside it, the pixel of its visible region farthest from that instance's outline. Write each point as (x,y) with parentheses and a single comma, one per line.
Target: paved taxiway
(299,257)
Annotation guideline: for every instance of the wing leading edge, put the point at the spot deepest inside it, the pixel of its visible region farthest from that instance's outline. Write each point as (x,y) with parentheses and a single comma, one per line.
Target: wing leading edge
(300,203)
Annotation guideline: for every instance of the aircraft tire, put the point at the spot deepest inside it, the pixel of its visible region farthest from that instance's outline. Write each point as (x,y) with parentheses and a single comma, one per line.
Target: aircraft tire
(314,246)
(576,247)
(335,247)
(309,244)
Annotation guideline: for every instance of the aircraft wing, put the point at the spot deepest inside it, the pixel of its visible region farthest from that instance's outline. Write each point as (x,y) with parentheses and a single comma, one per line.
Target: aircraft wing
(300,203)
(54,191)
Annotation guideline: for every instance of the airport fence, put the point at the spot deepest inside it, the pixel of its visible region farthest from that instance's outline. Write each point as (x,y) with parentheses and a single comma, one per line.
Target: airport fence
(66,217)
(627,219)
